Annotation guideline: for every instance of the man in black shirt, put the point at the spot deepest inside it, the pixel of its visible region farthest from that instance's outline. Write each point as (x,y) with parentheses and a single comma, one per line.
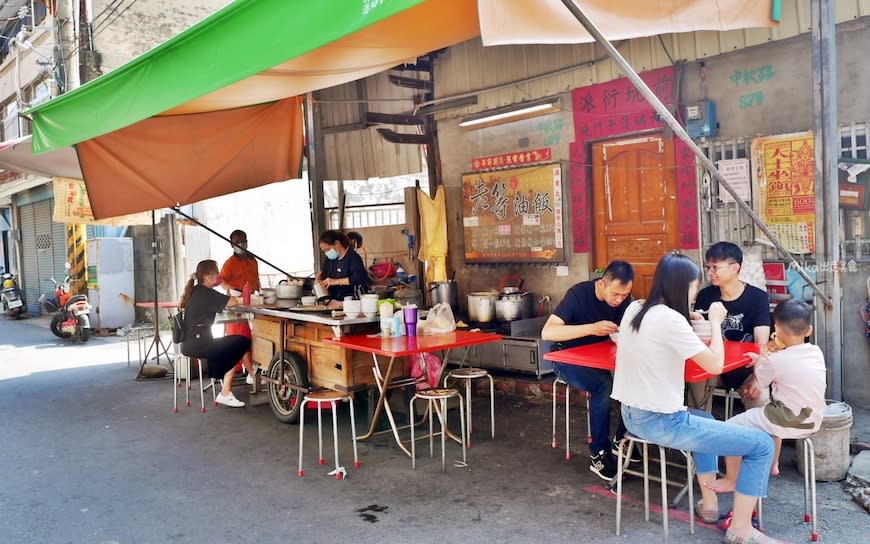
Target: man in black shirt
(748,318)
(590,311)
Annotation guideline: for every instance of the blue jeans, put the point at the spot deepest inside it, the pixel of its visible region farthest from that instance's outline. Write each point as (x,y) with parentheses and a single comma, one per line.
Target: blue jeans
(706,438)
(599,384)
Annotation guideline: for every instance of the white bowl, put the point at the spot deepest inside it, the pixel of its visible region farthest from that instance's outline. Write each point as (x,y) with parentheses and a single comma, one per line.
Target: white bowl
(703,329)
(309,301)
(352,308)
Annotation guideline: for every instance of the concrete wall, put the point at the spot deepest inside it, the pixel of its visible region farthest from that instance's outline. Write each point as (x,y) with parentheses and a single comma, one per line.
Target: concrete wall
(458,147)
(767,89)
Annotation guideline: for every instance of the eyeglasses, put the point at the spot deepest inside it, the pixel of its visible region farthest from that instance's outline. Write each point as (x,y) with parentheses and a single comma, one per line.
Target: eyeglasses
(718,267)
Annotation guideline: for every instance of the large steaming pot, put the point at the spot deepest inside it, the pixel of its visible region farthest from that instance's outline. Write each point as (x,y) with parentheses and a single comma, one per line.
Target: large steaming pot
(443,291)
(481,306)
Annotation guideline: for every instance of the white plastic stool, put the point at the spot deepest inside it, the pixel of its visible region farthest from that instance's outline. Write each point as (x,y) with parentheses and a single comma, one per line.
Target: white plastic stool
(182,372)
(431,395)
(320,398)
(556,382)
(468,374)
(626,445)
(809,488)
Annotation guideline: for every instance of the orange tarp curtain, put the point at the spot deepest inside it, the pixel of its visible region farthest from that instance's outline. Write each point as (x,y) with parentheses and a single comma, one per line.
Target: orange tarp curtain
(162,161)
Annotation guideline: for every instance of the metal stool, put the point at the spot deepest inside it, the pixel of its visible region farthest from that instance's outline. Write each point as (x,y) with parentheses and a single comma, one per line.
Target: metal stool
(431,395)
(182,372)
(556,382)
(627,444)
(730,396)
(809,451)
(320,398)
(468,374)
(141,331)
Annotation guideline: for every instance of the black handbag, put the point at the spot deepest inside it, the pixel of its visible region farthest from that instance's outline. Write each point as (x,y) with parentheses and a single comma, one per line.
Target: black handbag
(177,323)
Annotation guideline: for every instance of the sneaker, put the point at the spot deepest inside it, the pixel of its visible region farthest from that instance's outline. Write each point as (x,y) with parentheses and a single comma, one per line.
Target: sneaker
(604,465)
(249,379)
(229,400)
(636,455)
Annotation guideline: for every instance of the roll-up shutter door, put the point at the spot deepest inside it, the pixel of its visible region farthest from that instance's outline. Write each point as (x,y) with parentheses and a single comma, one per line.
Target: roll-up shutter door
(29,275)
(44,246)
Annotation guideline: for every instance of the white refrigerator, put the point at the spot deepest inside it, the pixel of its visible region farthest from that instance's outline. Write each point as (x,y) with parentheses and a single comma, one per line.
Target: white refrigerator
(110,282)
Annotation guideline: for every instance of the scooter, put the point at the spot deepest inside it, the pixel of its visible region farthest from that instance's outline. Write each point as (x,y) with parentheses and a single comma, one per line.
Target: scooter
(10,297)
(71,317)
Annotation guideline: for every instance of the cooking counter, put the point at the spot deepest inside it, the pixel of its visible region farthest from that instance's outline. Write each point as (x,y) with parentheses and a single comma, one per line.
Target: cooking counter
(323,317)
(289,345)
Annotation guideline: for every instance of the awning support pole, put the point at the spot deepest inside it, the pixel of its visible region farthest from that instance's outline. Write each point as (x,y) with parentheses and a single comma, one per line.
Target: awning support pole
(824,71)
(177,210)
(684,136)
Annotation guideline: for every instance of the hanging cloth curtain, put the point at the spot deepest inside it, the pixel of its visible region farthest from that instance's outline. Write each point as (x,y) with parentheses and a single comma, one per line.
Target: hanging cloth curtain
(433,234)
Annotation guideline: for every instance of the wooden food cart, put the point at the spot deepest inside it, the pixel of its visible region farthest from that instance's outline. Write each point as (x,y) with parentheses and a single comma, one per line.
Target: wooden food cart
(288,346)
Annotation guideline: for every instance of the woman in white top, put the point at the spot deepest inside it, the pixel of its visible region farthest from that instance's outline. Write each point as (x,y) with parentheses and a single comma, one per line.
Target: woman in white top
(655,340)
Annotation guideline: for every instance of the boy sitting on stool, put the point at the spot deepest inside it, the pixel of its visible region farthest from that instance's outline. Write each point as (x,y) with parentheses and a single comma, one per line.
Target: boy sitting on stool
(794,373)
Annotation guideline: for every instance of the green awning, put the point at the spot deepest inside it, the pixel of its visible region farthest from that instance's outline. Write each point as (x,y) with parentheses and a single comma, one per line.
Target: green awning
(243,39)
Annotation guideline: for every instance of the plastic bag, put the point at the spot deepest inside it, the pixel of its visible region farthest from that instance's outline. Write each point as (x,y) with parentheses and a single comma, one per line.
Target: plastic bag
(431,365)
(440,319)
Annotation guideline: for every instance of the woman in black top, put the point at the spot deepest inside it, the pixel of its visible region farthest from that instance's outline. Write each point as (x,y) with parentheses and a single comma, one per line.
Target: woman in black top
(200,303)
(343,272)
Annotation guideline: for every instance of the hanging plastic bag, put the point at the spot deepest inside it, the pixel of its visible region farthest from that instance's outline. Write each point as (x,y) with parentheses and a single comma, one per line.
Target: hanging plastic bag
(428,364)
(440,319)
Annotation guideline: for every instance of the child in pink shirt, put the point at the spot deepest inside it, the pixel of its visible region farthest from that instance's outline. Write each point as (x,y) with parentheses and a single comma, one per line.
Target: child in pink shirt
(794,373)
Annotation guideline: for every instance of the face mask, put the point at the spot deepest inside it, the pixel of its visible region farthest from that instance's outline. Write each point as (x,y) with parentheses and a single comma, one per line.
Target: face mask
(332,254)
(240,248)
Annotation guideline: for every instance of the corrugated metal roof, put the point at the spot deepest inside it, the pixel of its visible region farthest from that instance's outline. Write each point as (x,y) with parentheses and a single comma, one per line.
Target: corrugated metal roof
(470,66)
(362,153)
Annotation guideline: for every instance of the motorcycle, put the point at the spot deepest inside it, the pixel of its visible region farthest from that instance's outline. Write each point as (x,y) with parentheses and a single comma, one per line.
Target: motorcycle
(10,297)
(71,317)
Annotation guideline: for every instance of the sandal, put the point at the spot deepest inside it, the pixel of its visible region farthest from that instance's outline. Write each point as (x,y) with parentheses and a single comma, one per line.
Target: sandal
(707,516)
(724,522)
(757,537)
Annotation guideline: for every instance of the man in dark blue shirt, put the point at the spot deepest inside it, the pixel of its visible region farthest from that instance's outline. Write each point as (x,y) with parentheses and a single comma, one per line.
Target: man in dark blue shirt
(590,311)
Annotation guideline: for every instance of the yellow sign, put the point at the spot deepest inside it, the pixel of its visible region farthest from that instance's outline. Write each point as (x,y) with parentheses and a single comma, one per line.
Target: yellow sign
(514,215)
(784,171)
(71,205)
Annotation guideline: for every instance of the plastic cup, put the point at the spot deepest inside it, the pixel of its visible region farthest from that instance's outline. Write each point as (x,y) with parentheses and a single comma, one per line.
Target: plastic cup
(410,312)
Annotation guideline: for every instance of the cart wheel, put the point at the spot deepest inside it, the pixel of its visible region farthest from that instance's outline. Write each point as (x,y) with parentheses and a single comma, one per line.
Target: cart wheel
(284,400)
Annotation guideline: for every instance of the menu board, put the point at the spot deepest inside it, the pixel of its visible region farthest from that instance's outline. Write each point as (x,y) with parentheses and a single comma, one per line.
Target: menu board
(514,215)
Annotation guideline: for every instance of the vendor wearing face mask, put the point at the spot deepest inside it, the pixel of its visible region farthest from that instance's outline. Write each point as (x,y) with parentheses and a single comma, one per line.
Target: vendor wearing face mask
(343,272)
(241,267)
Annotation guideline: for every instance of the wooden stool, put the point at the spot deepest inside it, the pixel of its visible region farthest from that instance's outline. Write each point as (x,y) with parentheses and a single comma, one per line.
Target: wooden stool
(431,395)
(626,445)
(320,398)
(556,382)
(468,374)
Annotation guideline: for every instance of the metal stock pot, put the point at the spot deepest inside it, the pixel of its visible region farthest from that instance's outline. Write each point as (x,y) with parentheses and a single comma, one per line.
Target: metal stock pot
(481,306)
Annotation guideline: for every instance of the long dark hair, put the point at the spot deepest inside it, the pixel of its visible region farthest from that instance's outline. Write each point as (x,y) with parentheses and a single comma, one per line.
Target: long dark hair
(673,275)
(203,269)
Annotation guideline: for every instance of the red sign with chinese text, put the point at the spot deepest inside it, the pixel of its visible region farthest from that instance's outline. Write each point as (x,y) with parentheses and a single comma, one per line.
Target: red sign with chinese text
(613,109)
(508,160)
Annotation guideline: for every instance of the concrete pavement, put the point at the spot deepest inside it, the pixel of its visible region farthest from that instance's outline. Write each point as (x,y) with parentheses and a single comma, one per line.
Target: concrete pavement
(89,455)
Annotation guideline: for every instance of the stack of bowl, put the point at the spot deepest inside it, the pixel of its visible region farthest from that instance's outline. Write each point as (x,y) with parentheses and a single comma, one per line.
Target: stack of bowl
(370,305)
(703,329)
(352,308)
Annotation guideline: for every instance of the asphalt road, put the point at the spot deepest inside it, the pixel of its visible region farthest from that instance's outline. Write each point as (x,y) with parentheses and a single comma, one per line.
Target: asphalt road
(89,455)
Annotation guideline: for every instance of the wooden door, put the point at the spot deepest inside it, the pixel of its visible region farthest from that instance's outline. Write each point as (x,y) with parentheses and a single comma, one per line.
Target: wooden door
(634,199)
